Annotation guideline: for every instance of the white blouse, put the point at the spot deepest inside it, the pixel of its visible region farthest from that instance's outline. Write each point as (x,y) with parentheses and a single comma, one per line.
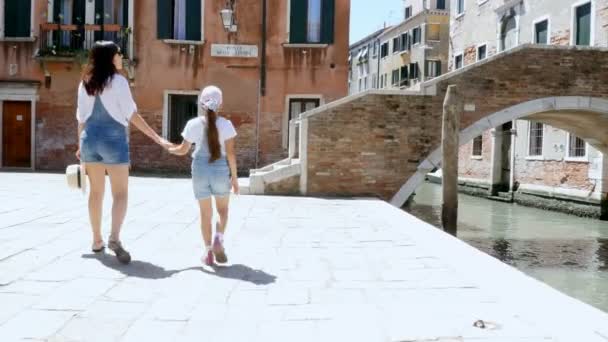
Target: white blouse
(116,98)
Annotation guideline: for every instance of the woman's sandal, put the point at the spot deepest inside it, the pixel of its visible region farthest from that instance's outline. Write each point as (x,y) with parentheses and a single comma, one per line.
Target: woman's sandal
(121,254)
(98,247)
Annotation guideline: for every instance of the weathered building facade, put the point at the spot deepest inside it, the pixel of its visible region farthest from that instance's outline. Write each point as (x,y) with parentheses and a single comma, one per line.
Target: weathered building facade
(417,49)
(534,162)
(273,59)
(364,63)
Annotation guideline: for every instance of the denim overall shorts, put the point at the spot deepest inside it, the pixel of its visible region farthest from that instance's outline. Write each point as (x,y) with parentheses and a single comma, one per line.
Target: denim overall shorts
(103,139)
(209,179)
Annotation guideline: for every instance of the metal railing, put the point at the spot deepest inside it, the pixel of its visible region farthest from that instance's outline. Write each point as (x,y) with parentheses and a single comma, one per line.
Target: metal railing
(58,40)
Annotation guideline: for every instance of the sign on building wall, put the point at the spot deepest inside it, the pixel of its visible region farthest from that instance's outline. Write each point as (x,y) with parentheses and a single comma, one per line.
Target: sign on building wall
(242,51)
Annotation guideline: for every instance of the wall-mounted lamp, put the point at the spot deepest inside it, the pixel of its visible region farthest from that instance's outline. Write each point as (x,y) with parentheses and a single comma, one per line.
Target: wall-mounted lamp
(227,15)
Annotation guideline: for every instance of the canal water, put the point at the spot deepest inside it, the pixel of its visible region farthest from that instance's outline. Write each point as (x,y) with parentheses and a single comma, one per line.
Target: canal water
(564,251)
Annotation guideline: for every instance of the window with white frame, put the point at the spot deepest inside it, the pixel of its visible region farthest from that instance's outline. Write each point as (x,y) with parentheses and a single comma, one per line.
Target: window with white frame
(384,50)
(179,19)
(582,25)
(396,44)
(374,81)
(416,35)
(481,52)
(459,7)
(395,78)
(404,76)
(577,148)
(477,146)
(17,18)
(535,139)
(458,61)
(181,109)
(408,12)
(541,32)
(433,68)
(311,21)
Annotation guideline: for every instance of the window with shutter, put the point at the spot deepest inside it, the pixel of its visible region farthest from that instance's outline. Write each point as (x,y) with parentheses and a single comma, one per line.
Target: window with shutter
(403,42)
(441,4)
(179,19)
(17,18)
(396,42)
(414,71)
(312,21)
(395,78)
(404,77)
(416,35)
(432,69)
(583,25)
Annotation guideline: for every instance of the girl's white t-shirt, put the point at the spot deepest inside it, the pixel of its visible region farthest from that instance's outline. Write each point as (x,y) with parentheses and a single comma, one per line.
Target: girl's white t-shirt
(195,132)
(116,98)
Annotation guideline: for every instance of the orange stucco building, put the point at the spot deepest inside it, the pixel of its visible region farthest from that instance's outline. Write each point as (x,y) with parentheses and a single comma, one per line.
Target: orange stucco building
(272,58)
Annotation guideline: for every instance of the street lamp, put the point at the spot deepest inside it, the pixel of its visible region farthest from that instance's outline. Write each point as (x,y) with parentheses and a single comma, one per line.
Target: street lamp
(227,15)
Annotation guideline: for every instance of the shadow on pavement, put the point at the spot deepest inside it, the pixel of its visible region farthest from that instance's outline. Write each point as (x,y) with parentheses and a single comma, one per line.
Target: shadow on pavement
(146,270)
(241,272)
(137,268)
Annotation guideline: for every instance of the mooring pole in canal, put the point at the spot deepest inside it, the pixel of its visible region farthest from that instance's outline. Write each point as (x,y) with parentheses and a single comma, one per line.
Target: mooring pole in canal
(453,105)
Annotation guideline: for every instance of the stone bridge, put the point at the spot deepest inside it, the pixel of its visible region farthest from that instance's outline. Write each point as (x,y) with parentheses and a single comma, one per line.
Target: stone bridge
(383,143)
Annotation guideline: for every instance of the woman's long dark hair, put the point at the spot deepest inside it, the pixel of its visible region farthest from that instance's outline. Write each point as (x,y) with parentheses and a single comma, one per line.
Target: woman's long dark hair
(100,69)
(213,137)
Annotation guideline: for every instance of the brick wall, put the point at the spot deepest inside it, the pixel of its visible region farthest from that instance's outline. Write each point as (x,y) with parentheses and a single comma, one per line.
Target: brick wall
(373,144)
(554,173)
(473,167)
(287,186)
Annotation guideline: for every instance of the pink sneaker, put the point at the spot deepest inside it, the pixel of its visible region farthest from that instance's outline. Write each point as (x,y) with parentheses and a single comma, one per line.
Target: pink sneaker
(219,251)
(208,260)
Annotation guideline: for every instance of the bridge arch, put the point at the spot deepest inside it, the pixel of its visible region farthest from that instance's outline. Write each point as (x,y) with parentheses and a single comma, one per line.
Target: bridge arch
(580,115)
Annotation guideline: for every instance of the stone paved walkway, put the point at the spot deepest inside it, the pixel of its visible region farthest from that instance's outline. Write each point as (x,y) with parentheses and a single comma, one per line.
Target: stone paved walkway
(302,269)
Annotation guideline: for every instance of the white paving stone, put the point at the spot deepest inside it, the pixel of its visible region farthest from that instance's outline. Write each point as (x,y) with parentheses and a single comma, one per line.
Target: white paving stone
(302,269)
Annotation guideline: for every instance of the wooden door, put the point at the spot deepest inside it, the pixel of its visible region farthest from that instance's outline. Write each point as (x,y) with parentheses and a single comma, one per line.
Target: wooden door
(16,134)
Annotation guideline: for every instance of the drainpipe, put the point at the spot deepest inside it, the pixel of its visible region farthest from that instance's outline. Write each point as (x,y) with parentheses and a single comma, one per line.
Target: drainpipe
(263,56)
(262,85)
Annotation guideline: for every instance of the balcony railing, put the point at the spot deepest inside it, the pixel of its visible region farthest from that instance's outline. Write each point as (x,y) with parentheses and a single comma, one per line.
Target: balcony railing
(58,40)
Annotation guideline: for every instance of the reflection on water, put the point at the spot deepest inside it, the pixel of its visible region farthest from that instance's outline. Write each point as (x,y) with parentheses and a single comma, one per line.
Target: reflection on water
(566,252)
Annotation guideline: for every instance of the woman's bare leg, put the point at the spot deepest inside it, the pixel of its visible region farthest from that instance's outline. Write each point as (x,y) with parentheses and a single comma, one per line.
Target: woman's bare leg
(97,181)
(119,179)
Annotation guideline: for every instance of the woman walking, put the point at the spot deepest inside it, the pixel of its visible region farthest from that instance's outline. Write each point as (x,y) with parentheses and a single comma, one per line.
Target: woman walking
(105,109)
(213,168)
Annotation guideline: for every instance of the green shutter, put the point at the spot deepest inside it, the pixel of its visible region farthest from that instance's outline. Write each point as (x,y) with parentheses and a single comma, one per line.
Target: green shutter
(438,68)
(583,25)
(193,19)
(125,13)
(99,18)
(79,12)
(18,15)
(328,10)
(298,19)
(164,10)
(57,10)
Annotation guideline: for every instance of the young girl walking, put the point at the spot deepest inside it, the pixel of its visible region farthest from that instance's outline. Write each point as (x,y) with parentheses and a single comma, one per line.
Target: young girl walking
(213,168)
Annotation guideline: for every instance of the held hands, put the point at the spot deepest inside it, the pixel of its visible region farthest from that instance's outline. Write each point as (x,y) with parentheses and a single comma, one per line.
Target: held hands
(164,143)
